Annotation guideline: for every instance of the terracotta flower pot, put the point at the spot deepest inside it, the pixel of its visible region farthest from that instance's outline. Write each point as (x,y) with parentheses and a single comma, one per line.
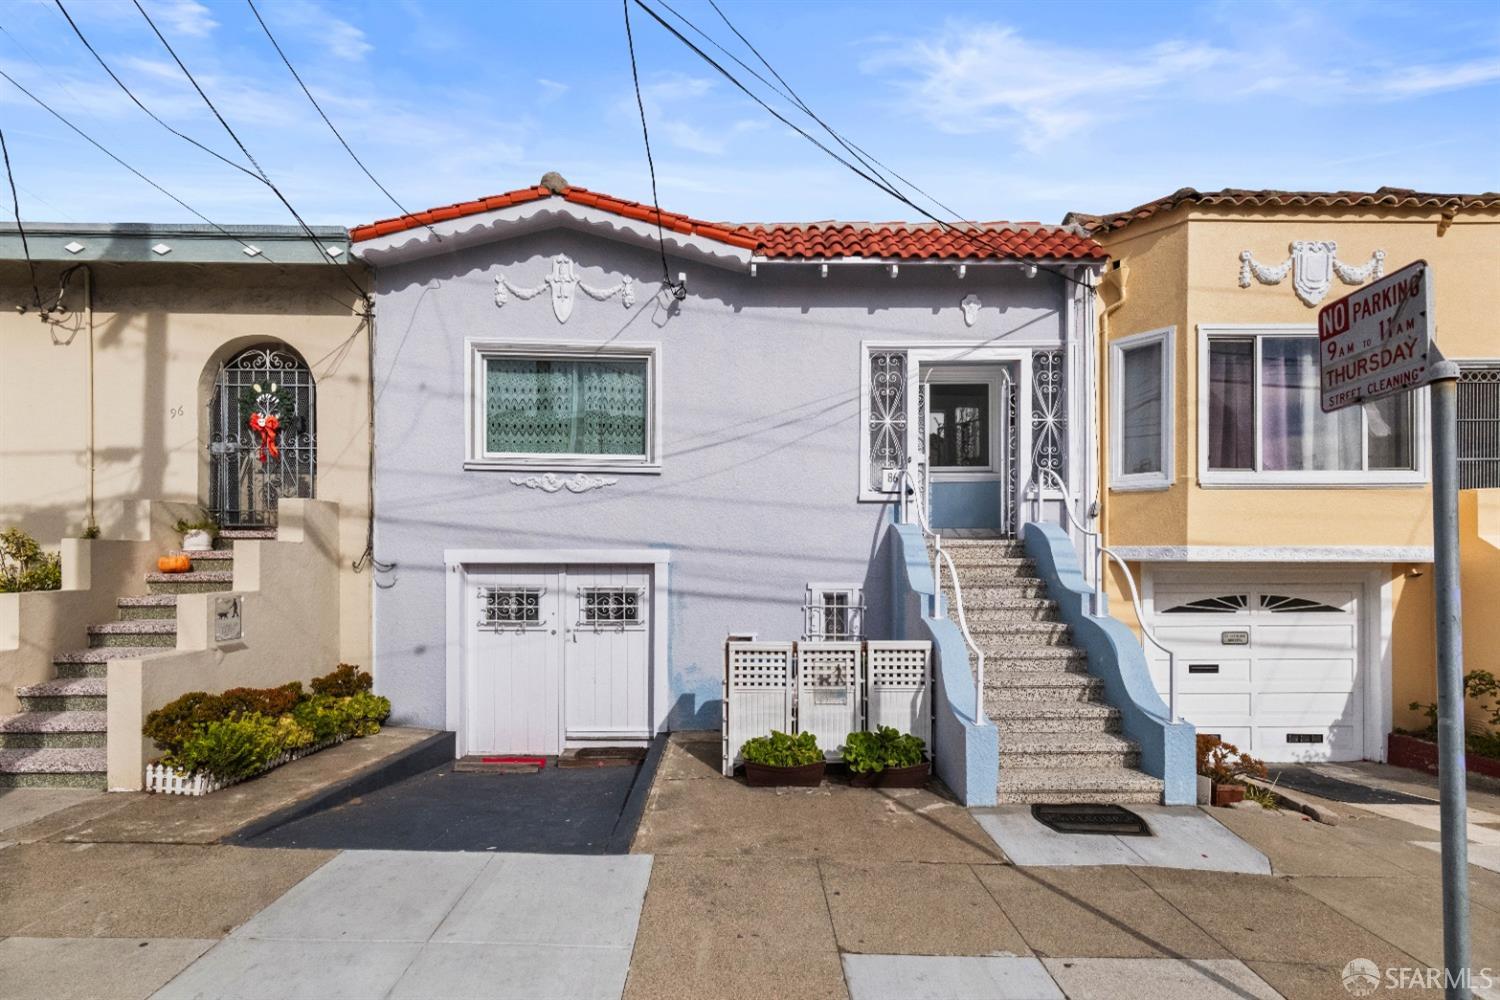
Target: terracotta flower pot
(1227,793)
(767,776)
(914,776)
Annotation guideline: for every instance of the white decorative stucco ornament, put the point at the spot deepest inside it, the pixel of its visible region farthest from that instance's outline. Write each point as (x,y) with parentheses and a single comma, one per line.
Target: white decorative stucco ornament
(563,281)
(1312,263)
(577,483)
(970,306)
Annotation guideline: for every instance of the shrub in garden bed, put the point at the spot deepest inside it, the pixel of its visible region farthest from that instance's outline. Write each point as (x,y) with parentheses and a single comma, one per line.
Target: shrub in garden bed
(24,566)
(242,731)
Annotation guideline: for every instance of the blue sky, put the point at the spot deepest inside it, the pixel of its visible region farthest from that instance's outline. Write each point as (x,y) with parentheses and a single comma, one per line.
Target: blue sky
(1003,110)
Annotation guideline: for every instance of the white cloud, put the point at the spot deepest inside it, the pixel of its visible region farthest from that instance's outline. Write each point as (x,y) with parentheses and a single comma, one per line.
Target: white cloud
(969,79)
(185,17)
(551,89)
(343,40)
(973,79)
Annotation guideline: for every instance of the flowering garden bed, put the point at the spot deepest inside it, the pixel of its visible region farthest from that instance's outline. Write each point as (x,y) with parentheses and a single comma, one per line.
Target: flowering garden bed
(213,741)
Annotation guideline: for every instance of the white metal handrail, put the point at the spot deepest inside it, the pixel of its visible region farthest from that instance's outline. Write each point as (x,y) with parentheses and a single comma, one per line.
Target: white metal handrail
(906,485)
(1101,553)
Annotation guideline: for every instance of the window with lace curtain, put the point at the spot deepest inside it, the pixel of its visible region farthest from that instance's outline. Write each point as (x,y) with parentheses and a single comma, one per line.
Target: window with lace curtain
(564,408)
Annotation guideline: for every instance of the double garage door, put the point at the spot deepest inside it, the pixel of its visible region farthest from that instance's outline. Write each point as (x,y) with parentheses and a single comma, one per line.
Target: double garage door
(1272,667)
(556,655)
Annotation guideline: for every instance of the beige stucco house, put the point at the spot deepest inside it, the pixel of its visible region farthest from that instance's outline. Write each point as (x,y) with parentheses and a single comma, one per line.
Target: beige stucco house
(126,353)
(1284,554)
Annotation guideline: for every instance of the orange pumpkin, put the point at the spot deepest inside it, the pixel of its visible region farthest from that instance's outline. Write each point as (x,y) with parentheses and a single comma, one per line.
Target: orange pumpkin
(174,564)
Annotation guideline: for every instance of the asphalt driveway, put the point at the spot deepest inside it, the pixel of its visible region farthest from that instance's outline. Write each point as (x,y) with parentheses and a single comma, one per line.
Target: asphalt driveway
(554,811)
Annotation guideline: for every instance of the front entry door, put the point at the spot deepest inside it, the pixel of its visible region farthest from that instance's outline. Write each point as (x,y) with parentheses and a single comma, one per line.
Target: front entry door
(967,417)
(556,655)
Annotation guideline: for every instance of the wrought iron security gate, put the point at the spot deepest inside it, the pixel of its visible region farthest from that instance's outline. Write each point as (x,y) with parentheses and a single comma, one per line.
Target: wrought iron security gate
(244,490)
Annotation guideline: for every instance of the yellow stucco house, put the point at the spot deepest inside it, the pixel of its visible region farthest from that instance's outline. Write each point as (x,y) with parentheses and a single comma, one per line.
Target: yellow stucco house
(1284,555)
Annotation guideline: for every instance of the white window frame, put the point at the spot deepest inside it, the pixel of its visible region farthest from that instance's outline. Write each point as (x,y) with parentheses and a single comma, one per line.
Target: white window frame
(1119,481)
(991,380)
(816,597)
(1292,479)
(478,351)
(945,352)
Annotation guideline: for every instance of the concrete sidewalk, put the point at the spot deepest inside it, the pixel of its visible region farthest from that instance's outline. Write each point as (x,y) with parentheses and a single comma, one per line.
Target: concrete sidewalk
(839,892)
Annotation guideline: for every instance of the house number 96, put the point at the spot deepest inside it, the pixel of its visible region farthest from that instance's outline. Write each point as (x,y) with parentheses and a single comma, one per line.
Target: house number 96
(177,411)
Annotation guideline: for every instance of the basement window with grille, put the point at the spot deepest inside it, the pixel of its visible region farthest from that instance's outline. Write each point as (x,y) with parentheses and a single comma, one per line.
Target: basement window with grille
(834,612)
(1479,425)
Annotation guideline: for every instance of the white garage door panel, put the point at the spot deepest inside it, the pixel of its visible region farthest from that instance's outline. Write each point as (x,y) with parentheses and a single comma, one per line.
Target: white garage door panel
(1294,691)
(1240,736)
(1297,639)
(1219,703)
(1305,675)
(1304,709)
(1228,672)
(1339,742)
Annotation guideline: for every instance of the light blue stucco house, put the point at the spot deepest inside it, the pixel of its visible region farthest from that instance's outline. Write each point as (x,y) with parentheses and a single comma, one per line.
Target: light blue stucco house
(605,441)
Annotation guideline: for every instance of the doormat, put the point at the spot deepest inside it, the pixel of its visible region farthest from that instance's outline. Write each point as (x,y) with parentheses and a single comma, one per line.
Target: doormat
(603,757)
(499,765)
(1089,817)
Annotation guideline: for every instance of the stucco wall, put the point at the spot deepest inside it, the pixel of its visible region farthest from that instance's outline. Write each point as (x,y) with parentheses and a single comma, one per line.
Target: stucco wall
(1166,288)
(758,491)
(160,330)
(1182,269)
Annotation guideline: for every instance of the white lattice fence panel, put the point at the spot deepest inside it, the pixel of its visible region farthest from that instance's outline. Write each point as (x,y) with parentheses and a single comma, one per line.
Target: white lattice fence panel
(899,675)
(828,683)
(757,693)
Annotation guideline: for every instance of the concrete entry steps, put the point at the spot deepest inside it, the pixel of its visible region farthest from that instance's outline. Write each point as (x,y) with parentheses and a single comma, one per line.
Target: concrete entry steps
(58,738)
(1059,739)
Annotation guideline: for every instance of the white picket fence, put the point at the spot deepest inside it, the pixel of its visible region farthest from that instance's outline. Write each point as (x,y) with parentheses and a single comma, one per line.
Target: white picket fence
(165,780)
(826,688)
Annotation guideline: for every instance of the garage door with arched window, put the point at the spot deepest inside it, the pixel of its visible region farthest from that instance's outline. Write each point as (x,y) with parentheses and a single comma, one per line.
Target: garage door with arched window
(1272,667)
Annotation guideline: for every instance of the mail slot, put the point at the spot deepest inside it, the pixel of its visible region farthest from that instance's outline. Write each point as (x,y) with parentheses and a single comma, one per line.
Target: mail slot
(1203,668)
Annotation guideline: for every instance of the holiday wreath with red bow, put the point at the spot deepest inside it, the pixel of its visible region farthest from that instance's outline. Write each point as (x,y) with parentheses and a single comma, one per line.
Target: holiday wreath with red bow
(267,407)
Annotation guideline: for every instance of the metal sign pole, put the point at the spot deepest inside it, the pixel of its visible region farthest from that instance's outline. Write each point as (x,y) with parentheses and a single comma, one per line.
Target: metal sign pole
(1453,793)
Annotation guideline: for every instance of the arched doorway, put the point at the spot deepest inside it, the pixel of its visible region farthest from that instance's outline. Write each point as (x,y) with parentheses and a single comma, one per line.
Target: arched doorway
(249,472)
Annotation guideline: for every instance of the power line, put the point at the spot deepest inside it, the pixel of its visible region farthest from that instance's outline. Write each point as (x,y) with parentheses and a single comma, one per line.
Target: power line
(678,291)
(128,93)
(359,289)
(109,153)
(15,200)
(99,146)
(975,235)
(298,77)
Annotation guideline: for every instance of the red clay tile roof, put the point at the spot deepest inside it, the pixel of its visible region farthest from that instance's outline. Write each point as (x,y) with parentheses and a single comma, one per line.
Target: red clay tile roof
(1387,197)
(796,240)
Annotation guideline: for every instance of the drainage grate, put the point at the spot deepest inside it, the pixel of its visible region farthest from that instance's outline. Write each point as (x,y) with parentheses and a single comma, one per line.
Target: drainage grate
(1087,817)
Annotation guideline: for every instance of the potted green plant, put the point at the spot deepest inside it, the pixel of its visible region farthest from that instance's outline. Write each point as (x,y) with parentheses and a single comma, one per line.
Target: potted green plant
(1224,765)
(780,759)
(886,757)
(197,535)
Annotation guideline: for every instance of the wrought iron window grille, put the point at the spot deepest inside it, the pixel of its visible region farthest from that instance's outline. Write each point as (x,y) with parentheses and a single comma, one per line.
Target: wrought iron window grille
(511,609)
(617,608)
(834,614)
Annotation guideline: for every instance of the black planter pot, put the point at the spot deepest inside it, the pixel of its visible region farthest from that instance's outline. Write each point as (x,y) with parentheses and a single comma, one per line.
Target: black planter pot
(914,776)
(767,776)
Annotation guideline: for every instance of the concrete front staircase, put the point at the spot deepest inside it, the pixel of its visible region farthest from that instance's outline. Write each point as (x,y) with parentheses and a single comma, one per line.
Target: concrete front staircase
(58,737)
(1059,739)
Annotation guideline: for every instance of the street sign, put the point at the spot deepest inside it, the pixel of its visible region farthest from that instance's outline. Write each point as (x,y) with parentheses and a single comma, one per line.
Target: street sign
(1375,342)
